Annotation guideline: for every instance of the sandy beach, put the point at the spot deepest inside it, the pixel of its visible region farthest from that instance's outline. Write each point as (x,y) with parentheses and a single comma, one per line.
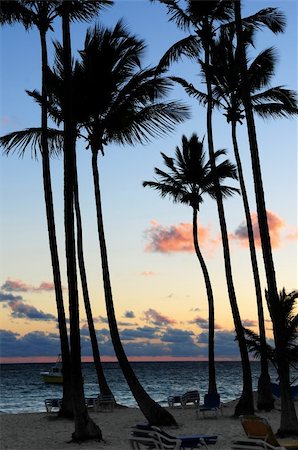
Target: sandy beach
(41,431)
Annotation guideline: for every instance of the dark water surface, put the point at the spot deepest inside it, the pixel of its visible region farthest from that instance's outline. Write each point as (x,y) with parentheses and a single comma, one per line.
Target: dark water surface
(23,390)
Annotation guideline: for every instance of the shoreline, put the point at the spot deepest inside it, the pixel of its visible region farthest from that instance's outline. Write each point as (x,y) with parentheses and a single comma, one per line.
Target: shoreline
(42,431)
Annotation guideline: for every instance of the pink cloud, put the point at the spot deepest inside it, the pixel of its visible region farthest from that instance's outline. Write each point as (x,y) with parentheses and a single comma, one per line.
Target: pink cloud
(177,238)
(15,286)
(21,286)
(204,323)
(275,223)
(155,318)
(147,273)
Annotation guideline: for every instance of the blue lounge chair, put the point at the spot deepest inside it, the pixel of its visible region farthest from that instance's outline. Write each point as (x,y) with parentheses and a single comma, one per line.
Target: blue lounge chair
(211,404)
(154,437)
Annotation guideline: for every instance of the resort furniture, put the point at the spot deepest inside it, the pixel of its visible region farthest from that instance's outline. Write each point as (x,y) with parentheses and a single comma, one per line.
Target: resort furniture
(275,389)
(188,398)
(104,403)
(261,436)
(53,404)
(153,437)
(211,404)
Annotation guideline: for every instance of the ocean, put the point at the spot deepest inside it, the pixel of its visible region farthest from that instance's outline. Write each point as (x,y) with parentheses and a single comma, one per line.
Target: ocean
(23,390)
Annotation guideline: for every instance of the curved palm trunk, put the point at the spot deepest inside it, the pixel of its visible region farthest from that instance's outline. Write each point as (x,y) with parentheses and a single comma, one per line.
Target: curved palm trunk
(245,404)
(102,381)
(85,428)
(66,408)
(154,413)
(212,388)
(289,422)
(265,397)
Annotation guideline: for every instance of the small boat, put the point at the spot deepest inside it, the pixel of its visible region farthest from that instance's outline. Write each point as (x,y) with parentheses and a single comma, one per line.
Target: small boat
(54,375)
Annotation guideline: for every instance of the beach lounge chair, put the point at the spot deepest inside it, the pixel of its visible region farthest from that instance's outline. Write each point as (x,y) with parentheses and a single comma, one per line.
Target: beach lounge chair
(261,436)
(53,404)
(153,437)
(105,403)
(211,404)
(90,402)
(184,400)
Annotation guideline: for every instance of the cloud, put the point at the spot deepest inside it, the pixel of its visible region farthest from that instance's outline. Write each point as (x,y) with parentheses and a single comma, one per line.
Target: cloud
(9,297)
(139,333)
(178,238)
(224,343)
(129,315)
(177,336)
(102,319)
(276,225)
(203,323)
(36,343)
(155,318)
(147,273)
(21,286)
(249,323)
(15,286)
(22,311)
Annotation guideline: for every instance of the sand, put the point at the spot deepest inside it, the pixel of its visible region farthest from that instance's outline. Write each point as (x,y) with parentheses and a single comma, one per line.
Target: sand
(42,431)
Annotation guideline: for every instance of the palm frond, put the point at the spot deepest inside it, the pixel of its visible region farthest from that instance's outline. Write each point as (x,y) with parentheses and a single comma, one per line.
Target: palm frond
(82,10)
(191,90)
(188,47)
(19,141)
(272,18)
(275,102)
(12,11)
(131,127)
(177,14)
(262,69)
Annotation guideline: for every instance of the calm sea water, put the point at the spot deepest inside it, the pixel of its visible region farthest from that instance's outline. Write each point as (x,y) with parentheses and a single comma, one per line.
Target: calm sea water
(23,390)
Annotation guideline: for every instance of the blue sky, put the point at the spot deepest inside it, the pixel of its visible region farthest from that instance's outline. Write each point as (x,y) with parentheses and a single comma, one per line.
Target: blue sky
(159,295)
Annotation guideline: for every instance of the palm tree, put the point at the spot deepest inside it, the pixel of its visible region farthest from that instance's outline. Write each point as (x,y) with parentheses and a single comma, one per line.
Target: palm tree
(189,178)
(101,378)
(121,102)
(41,15)
(289,421)
(287,305)
(201,16)
(19,141)
(114,101)
(272,102)
(85,427)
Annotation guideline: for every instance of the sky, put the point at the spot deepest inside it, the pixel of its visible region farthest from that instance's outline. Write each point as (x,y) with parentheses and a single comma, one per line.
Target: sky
(158,288)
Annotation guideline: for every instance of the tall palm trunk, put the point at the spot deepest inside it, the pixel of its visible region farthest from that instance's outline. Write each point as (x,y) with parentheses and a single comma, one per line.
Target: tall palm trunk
(289,422)
(245,404)
(154,413)
(102,381)
(85,428)
(265,397)
(66,409)
(212,388)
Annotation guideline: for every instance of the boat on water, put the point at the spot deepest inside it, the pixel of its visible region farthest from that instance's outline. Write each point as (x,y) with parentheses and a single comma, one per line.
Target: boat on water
(54,375)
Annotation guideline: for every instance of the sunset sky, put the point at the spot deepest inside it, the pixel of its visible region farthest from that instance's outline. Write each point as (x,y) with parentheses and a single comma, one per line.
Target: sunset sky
(158,287)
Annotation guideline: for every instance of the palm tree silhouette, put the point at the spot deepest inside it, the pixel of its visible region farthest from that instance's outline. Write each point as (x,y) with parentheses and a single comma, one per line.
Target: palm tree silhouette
(123,105)
(187,181)
(201,18)
(116,101)
(224,71)
(287,306)
(289,421)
